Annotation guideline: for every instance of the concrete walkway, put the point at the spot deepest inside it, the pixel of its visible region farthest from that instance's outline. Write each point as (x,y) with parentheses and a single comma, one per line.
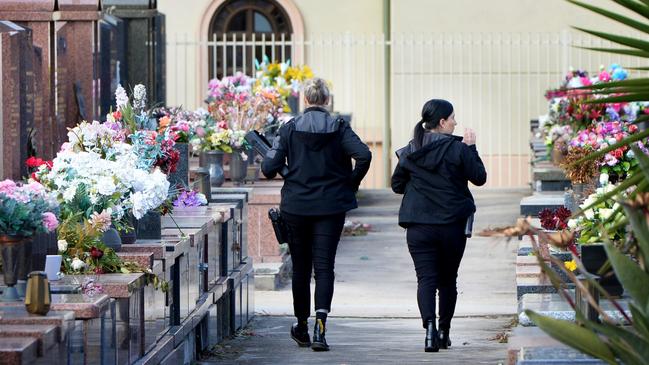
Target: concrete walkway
(374,315)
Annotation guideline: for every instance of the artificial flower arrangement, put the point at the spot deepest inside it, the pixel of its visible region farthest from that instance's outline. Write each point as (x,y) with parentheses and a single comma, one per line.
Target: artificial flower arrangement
(554,220)
(184,123)
(27,209)
(615,164)
(283,77)
(190,198)
(99,180)
(235,109)
(601,221)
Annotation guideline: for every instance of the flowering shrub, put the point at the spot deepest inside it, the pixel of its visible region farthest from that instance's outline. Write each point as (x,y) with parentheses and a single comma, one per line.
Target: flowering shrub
(287,80)
(26,209)
(555,220)
(185,124)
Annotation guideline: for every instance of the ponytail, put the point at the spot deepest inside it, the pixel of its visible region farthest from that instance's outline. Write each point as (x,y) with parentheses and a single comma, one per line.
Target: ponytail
(418,134)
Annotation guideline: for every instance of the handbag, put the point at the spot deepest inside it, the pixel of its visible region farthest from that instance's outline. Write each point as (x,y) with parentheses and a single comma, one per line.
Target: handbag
(279,226)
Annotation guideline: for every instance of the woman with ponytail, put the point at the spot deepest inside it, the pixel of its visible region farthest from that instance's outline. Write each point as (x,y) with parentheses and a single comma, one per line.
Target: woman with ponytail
(433,173)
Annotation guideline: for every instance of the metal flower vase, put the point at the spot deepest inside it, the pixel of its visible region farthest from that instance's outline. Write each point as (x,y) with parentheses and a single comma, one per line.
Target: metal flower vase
(181,175)
(239,166)
(213,162)
(10,246)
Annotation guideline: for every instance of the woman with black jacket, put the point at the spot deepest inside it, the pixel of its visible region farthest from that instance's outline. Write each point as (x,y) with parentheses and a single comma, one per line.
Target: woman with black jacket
(318,190)
(433,174)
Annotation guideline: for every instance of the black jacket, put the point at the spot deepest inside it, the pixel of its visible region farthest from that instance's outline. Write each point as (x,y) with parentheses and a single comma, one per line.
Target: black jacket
(434,180)
(318,151)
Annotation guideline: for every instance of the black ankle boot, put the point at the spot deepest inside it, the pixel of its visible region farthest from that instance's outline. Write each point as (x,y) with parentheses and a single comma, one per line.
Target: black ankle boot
(300,333)
(319,343)
(444,339)
(432,339)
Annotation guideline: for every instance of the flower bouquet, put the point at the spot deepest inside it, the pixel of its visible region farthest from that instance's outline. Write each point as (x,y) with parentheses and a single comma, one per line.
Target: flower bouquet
(601,221)
(26,209)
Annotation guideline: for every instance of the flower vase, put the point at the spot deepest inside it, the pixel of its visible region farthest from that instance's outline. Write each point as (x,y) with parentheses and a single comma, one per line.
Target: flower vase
(213,162)
(149,227)
(238,167)
(127,238)
(10,246)
(593,256)
(252,174)
(24,266)
(181,175)
(293,102)
(111,238)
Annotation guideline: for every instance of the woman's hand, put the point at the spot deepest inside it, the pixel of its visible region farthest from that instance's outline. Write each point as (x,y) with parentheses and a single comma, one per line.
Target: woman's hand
(469,137)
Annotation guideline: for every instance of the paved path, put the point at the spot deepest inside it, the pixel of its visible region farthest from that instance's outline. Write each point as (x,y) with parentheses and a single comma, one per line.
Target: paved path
(374,317)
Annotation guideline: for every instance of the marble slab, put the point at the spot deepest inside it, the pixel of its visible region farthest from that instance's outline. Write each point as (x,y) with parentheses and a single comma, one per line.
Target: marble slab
(83,306)
(115,285)
(532,205)
(553,305)
(18,350)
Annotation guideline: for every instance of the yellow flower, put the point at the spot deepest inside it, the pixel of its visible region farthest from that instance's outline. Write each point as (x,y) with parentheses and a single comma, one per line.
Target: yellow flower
(570,265)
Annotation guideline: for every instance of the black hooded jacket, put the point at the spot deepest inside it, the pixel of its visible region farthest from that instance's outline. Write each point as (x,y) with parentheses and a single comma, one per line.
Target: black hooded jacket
(318,151)
(434,180)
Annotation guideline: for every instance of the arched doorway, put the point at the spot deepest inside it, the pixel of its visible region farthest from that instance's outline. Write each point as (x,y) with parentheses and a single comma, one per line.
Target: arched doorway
(242,31)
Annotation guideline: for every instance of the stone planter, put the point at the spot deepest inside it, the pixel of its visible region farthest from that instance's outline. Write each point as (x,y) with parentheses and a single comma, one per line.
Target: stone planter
(181,175)
(213,162)
(239,167)
(11,247)
(593,256)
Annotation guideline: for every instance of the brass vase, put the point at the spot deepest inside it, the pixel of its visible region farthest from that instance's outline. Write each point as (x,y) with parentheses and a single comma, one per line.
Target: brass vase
(10,246)
(37,296)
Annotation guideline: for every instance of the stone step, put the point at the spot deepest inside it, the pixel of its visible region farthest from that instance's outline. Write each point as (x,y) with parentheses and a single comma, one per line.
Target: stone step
(528,271)
(555,356)
(526,337)
(535,285)
(532,205)
(553,305)
(18,350)
(46,335)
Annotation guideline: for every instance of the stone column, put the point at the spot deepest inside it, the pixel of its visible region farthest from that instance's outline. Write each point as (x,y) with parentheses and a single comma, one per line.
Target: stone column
(16,98)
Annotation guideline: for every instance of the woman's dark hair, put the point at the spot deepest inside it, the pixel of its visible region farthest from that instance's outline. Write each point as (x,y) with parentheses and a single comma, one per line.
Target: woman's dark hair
(433,111)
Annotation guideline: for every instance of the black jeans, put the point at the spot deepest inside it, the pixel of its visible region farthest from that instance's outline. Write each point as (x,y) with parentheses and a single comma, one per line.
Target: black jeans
(436,251)
(313,244)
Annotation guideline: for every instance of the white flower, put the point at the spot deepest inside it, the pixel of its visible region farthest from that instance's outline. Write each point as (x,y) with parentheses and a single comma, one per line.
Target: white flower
(605,213)
(69,193)
(603,179)
(62,244)
(139,97)
(201,198)
(590,214)
(106,187)
(121,99)
(572,223)
(77,264)
(630,154)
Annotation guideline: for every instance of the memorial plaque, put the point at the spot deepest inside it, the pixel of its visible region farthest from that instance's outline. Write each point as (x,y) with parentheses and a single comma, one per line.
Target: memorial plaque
(112,60)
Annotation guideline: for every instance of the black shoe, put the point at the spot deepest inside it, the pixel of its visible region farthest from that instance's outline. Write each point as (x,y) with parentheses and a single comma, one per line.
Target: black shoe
(432,339)
(300,335)
(444,339)
(319,343)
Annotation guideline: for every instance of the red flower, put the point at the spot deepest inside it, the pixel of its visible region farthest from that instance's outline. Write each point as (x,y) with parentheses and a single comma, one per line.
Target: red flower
(49,164)
(633,128)
(618,153)
(96,253)
(34,162)
(35,177)
(99,271)
(117,115)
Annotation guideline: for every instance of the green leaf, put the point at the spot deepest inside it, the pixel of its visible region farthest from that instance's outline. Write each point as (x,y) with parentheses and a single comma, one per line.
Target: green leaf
(574,336)
(635,6)
(623,40)
(617,17)
(640,230)
(630,275)
(622,51)
(640,320)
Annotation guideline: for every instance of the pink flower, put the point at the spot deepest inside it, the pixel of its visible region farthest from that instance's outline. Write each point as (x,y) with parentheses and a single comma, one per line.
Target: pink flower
(604,76)
(7,187)
(200,131)
(49,221)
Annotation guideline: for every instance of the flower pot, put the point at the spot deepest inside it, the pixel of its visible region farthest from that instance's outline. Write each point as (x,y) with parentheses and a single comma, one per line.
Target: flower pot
(213,162)
(239,167)
(593,256)
(10,246)
(181,175)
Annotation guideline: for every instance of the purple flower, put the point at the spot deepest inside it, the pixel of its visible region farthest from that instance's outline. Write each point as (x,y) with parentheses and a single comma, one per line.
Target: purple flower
(189,199)
(49,221)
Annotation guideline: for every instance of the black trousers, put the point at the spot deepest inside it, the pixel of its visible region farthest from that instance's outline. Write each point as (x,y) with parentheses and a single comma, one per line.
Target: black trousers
(436,251)
(314,241)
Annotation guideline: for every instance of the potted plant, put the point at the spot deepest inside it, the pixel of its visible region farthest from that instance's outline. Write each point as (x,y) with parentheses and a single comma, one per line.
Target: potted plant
(25,210)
